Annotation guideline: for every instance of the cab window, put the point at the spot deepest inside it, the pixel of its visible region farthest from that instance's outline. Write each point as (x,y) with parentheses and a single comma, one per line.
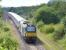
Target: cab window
(30,29)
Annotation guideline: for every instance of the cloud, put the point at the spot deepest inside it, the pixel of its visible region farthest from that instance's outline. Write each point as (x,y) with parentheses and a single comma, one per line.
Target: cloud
(17,3)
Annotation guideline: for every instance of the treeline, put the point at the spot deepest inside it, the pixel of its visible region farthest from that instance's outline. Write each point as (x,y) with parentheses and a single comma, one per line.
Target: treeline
(26,11)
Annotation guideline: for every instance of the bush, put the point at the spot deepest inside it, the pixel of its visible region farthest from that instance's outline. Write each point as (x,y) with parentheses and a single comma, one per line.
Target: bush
(6,29)
(47,29)
(1,24)
(59,26)
(40,24)
(58,34)
(59,31)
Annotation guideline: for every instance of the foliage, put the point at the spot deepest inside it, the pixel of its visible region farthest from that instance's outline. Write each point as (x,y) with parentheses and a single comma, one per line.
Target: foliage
(63,20)
(40,24)
(59,6)
(47,28)
(42,12)
(23,11)
(63,42)
(7,42)
(58,34)
(6,29)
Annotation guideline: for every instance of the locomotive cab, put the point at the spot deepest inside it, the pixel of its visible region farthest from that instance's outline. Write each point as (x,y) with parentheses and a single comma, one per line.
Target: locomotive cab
(30,33)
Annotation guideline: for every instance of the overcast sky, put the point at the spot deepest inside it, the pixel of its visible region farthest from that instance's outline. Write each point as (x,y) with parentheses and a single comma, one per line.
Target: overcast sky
(17,3)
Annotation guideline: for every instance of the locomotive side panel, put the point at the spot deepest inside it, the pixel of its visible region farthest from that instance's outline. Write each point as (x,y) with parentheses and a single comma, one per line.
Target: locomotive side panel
(23,31)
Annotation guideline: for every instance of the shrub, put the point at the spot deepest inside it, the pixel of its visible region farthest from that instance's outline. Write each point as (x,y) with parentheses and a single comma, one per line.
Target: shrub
(6,29)
(47,29)
(40,24)
(59,31)
(58,34)
(1,24)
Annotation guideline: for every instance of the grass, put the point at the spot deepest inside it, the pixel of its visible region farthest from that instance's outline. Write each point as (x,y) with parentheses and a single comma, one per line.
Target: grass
(48,37)
(63,42)
(49,44)
(6,33)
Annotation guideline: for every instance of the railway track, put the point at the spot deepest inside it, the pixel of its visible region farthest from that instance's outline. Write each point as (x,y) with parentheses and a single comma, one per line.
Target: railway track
(23,44)
(40,47)
(37,46)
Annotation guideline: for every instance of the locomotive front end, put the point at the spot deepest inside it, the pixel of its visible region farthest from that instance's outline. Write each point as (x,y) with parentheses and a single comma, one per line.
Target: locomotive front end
(30,33)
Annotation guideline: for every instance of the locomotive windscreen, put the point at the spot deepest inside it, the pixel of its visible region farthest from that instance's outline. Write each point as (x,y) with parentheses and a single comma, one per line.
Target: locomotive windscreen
(31,29)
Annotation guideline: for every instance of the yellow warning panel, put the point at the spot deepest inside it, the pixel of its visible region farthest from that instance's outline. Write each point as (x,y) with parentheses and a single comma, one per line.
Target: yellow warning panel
(30,34)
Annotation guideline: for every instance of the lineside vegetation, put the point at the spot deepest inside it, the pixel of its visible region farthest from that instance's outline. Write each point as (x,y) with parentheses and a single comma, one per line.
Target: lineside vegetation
(7,41)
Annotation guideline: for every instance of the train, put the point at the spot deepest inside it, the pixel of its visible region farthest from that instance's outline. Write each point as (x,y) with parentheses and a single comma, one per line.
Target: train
(27,30)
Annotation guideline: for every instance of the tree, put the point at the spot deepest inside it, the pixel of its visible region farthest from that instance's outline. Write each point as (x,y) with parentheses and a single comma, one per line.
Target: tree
(47,15)
(54,1)
(59,6)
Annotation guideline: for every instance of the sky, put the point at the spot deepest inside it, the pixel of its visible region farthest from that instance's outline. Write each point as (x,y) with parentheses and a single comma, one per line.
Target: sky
(18,3)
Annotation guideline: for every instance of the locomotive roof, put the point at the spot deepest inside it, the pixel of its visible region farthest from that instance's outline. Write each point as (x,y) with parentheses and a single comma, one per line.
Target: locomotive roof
(17,17)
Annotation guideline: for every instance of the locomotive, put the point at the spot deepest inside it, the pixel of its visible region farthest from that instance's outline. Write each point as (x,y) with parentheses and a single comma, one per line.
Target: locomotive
(30,33)
(27,30)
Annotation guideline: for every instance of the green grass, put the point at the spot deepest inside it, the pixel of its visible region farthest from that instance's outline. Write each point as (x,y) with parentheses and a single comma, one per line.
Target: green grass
(63,42)
(49,44)
(6,39)
(46,35)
